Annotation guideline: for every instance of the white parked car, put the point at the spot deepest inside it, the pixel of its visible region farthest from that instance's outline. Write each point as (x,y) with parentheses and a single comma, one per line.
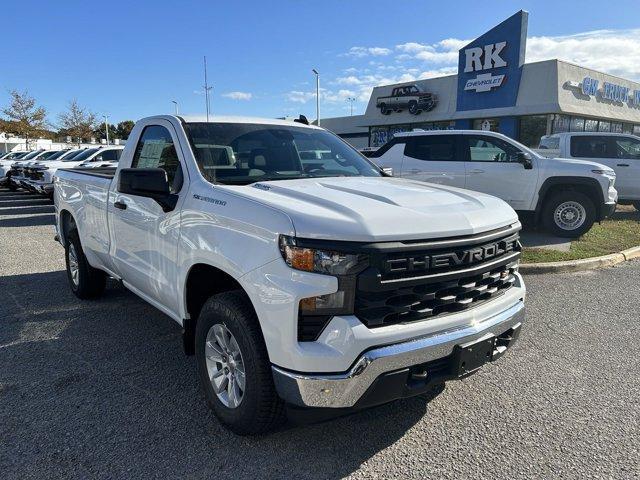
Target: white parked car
(567,196)
(316,281)
(618,151)
(41,179)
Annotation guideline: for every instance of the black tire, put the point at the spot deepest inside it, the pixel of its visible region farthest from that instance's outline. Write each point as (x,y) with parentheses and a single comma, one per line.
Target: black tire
(578,204)
(384,110)
(636,205)
(413,108)
(12,187)
(90,282)
(261,410)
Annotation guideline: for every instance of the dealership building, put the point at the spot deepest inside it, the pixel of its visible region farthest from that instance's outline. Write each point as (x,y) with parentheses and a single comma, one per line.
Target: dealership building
(496,90)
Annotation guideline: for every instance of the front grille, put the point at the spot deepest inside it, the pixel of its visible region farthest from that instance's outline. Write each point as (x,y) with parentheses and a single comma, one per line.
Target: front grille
(409,304)
(408,284)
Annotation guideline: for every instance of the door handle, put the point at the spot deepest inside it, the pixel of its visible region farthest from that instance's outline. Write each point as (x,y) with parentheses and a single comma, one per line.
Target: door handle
(476,170)
(120,205)
(623,165)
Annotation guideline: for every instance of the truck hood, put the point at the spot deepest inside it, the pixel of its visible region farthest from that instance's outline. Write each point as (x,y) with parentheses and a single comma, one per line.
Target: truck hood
(369,209)
(55,164)
(571,165)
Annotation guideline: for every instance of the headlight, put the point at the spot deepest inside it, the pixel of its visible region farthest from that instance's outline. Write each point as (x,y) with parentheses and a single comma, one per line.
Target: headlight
(607,173)
(316,260)
(344,266)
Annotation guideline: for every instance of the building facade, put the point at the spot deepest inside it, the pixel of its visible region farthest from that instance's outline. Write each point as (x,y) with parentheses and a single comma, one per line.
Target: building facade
(496,90)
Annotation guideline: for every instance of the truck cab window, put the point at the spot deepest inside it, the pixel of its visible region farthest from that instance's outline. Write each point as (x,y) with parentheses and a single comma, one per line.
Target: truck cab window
(156,149)
(488,149)
(435,148)
(592,147)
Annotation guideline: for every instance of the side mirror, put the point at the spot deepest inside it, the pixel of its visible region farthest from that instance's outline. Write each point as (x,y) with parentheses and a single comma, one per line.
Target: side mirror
(149,183)
(525,159)
(387,171)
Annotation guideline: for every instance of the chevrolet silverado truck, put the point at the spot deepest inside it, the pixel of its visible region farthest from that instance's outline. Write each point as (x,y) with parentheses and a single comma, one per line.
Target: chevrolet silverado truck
(409,97)
(565,196)
(618,151)
(299,283)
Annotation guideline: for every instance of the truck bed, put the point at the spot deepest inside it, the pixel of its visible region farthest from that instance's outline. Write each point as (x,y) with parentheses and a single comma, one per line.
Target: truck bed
(104,172)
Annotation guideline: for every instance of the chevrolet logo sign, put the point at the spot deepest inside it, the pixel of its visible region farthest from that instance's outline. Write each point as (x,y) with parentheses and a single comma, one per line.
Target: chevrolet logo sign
(484,82)
(452,259)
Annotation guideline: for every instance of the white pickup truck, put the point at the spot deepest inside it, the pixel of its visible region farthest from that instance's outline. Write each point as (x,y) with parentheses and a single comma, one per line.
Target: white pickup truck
(566,196)
(300,279)
(618,151)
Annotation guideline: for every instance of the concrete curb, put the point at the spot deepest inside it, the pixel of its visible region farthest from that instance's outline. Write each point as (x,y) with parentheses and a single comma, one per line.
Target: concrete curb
(583,264)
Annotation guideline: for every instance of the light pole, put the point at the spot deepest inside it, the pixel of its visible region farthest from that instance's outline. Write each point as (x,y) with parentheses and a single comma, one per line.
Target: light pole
(106,127)
(317,74)
(176,104)
(351,100)
(207,88)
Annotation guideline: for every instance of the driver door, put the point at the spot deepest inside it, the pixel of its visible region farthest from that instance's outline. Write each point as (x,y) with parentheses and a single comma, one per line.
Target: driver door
(144,238)
(492,167)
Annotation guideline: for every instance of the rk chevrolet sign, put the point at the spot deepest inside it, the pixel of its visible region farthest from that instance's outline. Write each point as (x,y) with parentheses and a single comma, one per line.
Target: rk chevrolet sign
(484,82)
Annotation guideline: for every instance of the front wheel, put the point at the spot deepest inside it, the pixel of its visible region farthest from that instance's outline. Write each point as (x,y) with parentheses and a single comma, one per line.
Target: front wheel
(413,108)
(233,366)
(569,214)
(384,110)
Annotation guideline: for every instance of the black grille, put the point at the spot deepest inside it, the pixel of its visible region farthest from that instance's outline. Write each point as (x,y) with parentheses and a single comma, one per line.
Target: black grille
(33,174)
(408,304)
(408,284)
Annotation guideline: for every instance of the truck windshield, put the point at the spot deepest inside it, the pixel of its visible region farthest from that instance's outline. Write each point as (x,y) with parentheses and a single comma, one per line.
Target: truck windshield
(244,153)
(81,156)
(55,155)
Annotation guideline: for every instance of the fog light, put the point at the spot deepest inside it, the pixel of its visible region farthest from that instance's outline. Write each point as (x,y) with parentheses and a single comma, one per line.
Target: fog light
(324,303)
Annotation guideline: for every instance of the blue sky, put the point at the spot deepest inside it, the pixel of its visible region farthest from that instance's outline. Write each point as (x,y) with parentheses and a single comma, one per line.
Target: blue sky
(132,60)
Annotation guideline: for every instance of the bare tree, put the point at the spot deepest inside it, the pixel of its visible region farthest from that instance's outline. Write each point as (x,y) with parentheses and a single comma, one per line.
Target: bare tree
(78,122)
(26,118)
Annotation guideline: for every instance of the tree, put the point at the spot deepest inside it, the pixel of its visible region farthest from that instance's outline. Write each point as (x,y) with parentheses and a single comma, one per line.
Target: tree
(124,129)
(100,132)
(25,117)
(77,122)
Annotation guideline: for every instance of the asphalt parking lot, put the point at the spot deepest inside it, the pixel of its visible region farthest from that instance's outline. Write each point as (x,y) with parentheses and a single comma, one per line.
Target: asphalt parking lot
(101,389)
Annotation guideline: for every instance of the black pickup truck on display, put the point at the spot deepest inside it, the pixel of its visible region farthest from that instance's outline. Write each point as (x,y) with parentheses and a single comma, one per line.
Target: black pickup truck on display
(410,97)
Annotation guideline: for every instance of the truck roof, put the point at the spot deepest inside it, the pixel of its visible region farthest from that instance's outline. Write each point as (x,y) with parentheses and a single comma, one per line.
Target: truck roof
(232,119)
(584,134)
(417,133)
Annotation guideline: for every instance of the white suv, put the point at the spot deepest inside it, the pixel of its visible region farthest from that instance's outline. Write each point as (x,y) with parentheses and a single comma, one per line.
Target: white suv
(567,196)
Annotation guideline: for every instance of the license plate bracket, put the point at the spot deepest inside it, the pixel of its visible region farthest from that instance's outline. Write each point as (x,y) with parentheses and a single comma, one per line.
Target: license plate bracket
(469,357)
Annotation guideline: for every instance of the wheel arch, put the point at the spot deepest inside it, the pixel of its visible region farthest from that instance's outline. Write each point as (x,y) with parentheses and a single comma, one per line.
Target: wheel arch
(66,223)
(586,185)
(202,281)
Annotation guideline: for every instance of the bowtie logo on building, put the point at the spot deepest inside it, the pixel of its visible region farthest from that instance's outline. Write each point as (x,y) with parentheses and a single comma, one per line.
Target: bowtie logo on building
(478,59)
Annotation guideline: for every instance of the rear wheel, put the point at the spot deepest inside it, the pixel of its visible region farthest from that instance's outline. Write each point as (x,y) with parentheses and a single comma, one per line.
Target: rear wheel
(569,214)
(233,366)
(84,280)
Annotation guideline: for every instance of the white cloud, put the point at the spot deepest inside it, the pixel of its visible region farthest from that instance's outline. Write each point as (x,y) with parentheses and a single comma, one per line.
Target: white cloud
(238,95)
(611,51)
(368,51)
(297,96)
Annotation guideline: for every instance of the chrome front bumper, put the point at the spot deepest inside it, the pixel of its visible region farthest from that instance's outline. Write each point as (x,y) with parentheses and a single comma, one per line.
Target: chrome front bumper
(343,390)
